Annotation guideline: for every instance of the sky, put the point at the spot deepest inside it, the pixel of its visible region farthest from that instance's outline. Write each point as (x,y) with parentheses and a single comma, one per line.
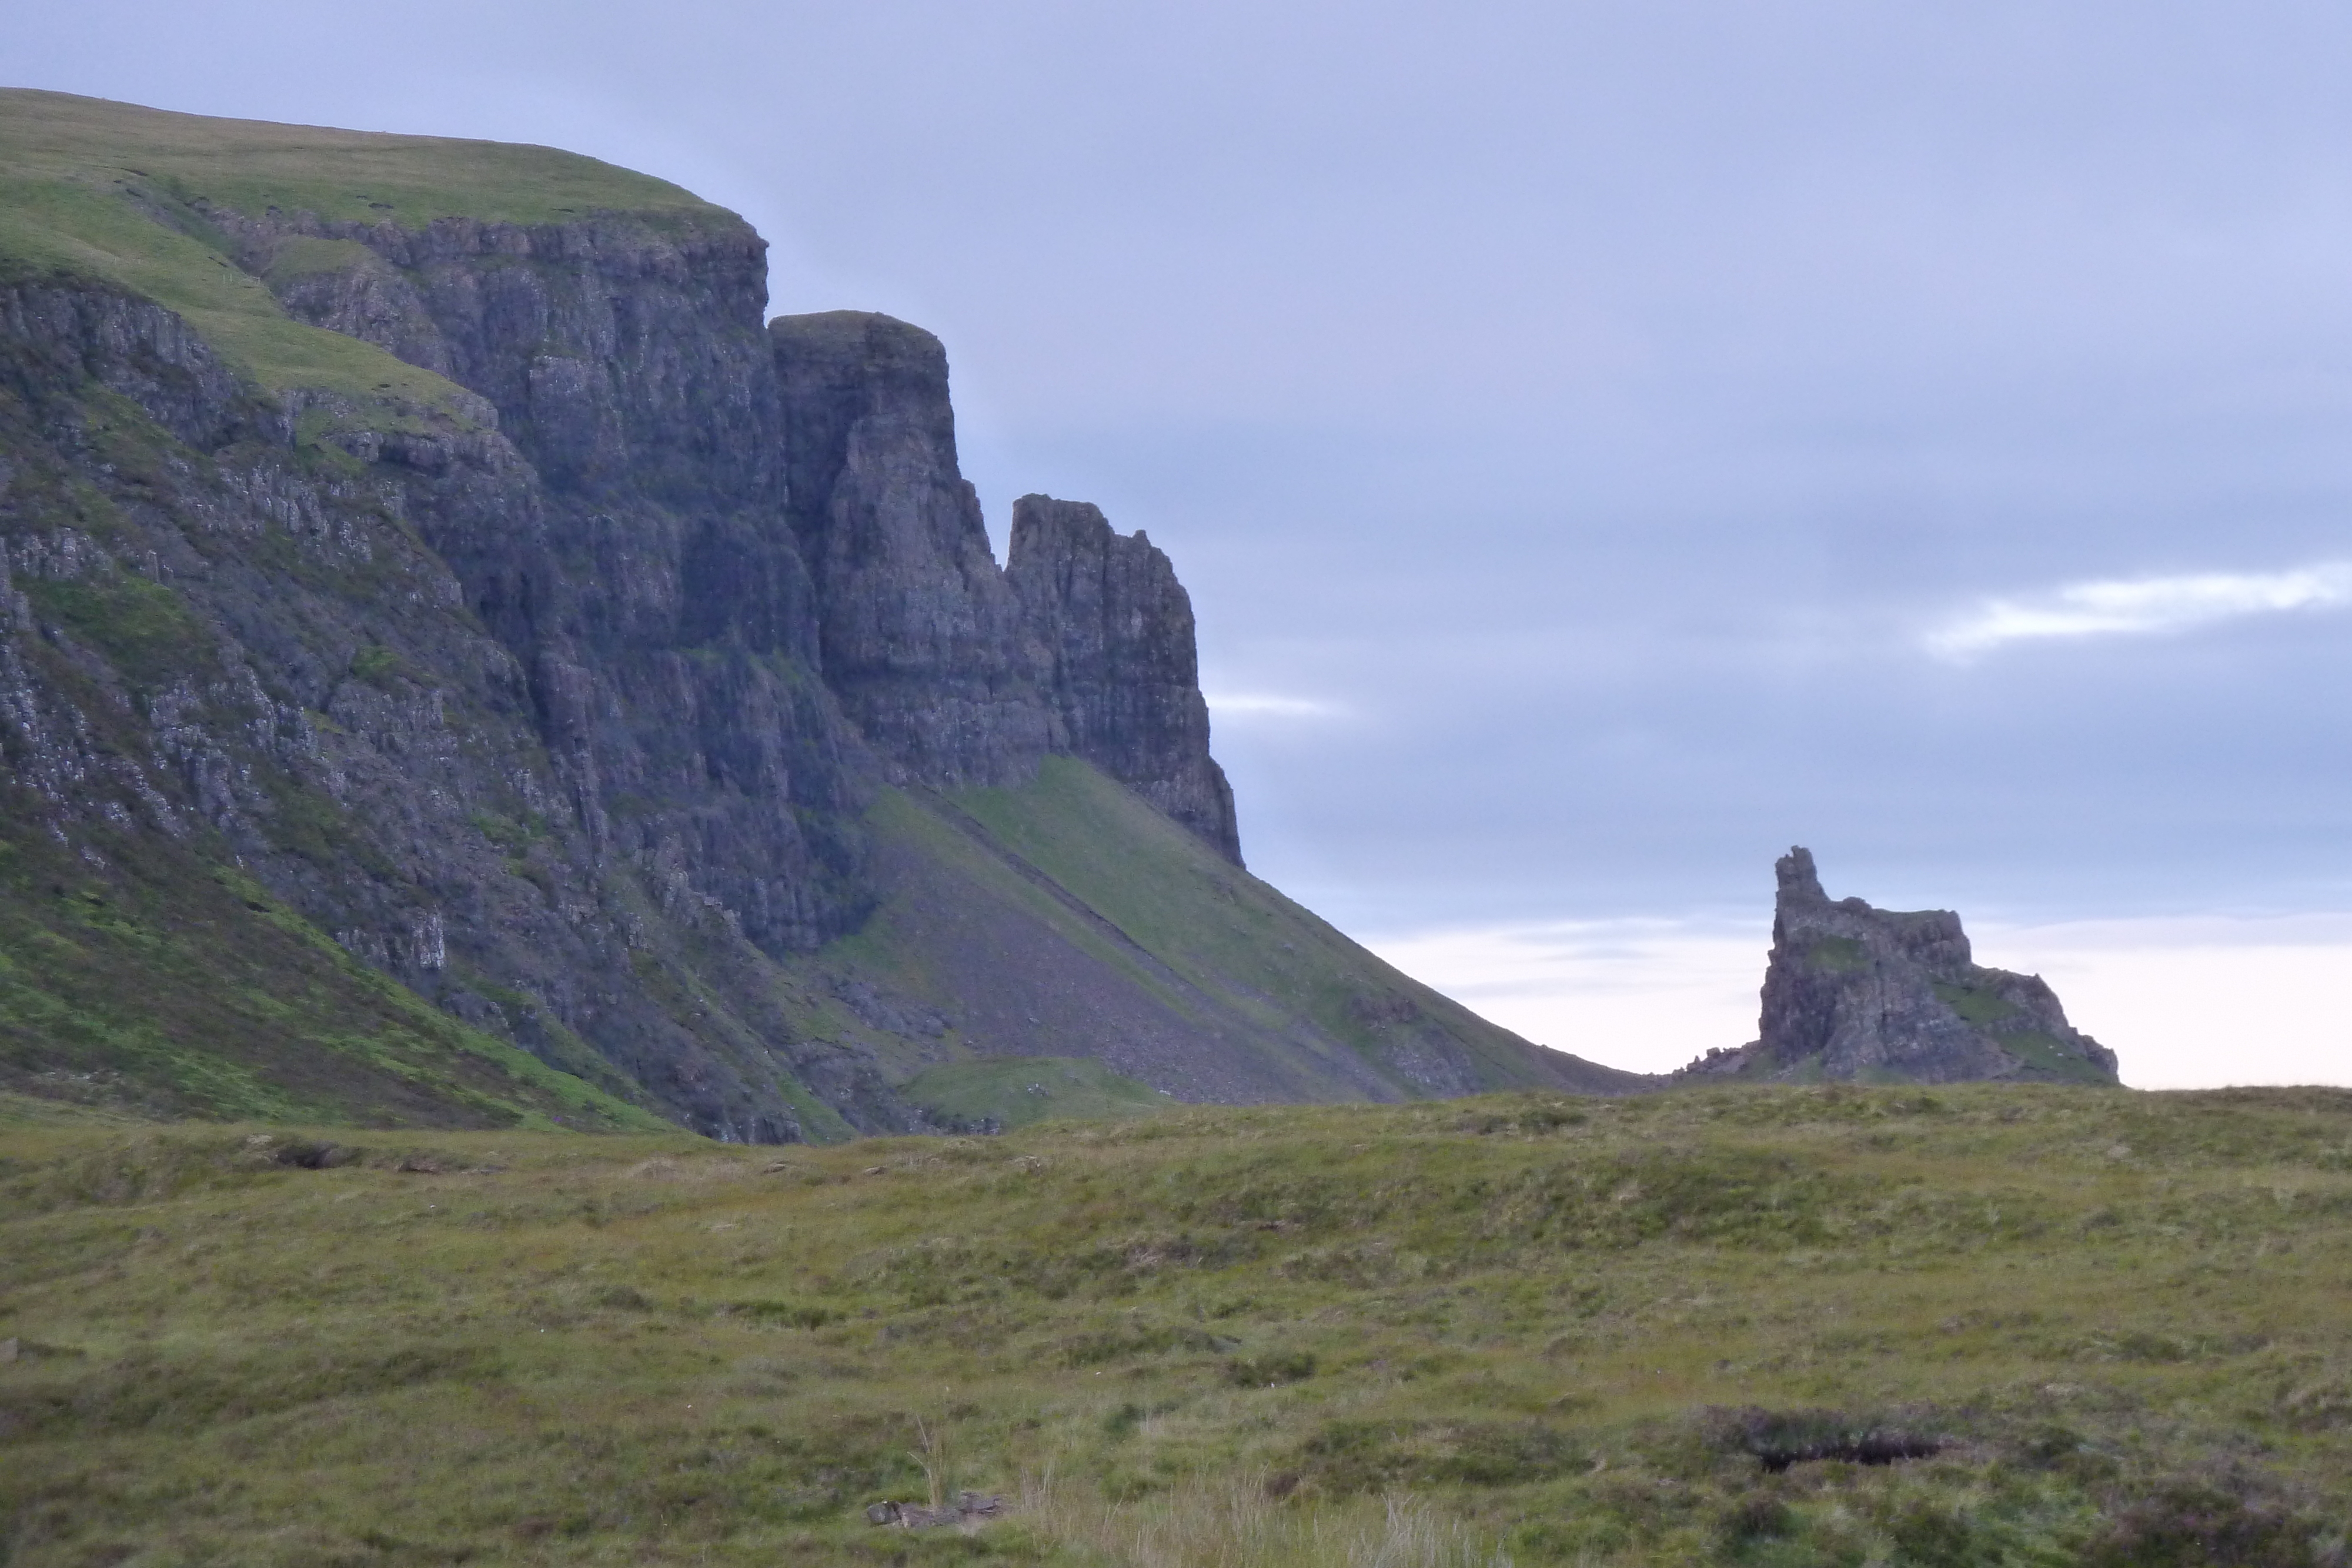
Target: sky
(1606,444)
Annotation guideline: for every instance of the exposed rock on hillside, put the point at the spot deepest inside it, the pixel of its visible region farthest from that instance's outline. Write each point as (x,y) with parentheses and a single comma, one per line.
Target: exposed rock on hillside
(431,542)
(1879,995)
(920,635)
(1120,666)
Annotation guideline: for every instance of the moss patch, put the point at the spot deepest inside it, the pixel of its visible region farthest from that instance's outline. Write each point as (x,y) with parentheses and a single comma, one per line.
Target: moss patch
(1980,1008)
(143,628)
(86,224)
(1838,955)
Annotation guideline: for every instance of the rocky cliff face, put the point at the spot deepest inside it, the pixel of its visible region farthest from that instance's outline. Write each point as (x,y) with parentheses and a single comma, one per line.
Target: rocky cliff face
(239,641)
(526,614)
(1119,666)
(1879,995)
(921,637)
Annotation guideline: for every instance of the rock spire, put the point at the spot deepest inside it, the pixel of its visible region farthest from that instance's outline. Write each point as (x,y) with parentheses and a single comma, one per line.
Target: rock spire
(1870,995)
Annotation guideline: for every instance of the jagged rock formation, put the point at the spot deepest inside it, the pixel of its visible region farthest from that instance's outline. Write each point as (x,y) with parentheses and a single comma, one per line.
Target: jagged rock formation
(921,636)
(1116,629)
(1878,995)
(432,541)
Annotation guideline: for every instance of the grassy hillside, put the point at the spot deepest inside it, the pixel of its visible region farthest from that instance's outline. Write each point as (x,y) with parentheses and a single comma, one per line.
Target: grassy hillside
(1070,910)
(2106,1328)
(119,192)
(1015,1091)
(360,176)
(155,982)
(166,985)
(1227,932)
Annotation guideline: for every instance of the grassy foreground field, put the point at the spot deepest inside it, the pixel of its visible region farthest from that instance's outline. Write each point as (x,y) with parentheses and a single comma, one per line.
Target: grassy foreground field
(2085,1326)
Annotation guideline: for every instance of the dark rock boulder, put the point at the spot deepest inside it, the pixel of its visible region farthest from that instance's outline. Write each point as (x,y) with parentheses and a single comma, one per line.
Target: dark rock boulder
(1882,996)
(1120,666)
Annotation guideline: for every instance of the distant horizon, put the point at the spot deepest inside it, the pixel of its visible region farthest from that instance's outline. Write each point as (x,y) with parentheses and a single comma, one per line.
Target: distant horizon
(1602,448)
(2170,997)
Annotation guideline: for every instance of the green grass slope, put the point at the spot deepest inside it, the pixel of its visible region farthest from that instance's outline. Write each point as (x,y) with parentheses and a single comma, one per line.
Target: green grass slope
(157,984)
(2106,1329)
(1012,1091)
(111,191)
(361,176)
(1229,933)
(1068,917)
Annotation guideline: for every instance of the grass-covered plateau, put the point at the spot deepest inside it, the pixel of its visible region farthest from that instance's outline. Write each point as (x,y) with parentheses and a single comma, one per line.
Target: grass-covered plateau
(90,188)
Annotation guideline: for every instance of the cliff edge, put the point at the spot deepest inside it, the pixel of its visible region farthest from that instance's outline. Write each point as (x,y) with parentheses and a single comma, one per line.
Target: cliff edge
(425,555)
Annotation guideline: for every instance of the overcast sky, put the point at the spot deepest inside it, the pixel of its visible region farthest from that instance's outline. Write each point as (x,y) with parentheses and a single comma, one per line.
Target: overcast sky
(1606,444)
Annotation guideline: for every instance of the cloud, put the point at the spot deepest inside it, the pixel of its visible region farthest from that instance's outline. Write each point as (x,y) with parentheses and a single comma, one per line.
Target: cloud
(2141,605)
(1643,995)
(1266,705)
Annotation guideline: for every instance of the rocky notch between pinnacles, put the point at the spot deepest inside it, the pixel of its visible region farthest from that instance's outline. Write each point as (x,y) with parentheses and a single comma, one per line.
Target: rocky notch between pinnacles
(423,564)
(1883,996)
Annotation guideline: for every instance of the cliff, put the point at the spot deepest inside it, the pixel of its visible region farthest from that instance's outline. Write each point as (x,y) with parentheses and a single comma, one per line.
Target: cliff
(1880,995)
(421,554)
(1116,629)
(920,634)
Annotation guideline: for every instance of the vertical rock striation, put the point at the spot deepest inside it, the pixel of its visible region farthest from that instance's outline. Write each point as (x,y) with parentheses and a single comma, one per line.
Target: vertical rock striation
(563,703)
(593,657)
(1121,665)
(919,636)
(1881,995)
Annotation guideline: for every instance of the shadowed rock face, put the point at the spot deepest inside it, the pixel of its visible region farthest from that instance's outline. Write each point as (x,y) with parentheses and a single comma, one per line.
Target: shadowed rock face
(960,673)
(1874,995)
(1115,628)
(603,706)
(921,638)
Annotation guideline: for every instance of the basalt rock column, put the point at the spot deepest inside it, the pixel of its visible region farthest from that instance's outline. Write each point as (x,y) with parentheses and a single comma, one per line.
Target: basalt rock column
(920,638)
(1121,666)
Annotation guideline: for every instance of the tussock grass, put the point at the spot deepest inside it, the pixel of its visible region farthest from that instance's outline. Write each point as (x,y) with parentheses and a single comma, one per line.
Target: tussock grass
(2099,1326)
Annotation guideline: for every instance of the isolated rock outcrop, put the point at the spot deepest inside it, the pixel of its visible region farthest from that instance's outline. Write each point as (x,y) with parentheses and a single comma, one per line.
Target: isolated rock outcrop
(1881,995)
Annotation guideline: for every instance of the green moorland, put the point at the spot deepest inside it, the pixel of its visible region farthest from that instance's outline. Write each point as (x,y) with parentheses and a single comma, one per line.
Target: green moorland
(2081,1325)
